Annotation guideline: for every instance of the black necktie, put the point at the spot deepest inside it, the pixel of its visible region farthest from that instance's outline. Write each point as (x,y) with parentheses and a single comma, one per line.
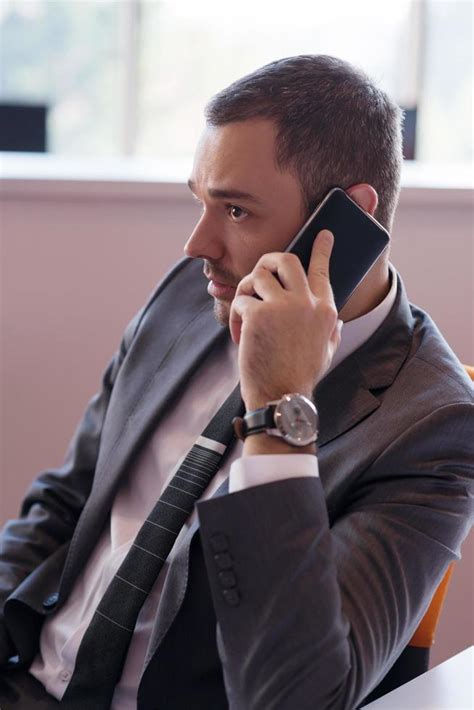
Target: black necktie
(103,649)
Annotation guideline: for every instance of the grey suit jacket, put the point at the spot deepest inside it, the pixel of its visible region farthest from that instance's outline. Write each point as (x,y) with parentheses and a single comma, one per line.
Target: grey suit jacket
(332,574)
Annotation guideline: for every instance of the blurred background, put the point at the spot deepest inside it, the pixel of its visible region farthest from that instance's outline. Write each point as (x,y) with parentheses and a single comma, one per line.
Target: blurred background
(114,76)
(100,109)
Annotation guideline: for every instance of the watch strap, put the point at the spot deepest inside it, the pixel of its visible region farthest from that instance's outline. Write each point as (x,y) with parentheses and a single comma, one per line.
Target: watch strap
(255,422)
(259,420)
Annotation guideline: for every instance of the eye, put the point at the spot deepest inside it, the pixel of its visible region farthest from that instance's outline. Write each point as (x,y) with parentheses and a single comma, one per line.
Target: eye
(237,214)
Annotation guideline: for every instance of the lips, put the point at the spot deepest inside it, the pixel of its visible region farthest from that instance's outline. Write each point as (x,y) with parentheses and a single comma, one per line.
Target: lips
(220,290)
(220,283)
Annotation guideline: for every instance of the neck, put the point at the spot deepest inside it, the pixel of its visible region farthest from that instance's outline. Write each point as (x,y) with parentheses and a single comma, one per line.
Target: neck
(368,294)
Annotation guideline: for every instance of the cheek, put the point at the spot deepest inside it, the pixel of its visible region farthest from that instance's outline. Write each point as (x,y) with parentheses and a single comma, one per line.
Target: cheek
(248,263)
(271,235)
(275,240)
(246,251)
(289,230)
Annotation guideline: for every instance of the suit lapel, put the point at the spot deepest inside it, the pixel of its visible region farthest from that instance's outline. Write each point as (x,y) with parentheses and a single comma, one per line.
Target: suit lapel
(172,343)
(349,393)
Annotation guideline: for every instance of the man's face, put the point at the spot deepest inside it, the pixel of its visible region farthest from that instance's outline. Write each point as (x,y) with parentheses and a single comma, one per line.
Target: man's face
(249,207)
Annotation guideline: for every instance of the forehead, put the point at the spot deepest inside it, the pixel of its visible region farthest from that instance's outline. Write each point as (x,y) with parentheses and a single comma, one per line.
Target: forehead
(240,155)
(248,142)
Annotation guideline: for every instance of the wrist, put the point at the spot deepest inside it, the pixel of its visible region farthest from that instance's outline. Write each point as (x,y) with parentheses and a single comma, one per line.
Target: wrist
(262,443)
(287,425)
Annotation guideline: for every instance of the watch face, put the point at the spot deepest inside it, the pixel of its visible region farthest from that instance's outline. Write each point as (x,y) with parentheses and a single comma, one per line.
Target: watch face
(297,419)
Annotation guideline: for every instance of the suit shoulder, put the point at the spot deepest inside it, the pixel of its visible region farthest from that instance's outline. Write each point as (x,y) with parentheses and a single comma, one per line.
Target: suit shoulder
(179,270)
(433,366)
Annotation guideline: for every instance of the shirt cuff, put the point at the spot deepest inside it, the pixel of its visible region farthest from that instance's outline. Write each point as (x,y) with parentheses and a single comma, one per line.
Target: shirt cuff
(256,470)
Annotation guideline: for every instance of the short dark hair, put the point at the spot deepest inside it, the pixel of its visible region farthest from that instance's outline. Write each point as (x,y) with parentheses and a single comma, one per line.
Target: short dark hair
(334,126)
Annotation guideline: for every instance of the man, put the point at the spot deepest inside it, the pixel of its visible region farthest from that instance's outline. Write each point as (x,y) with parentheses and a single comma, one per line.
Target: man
(306,570)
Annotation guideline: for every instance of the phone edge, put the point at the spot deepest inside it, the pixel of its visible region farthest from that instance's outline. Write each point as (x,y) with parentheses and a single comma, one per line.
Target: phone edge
(320,206)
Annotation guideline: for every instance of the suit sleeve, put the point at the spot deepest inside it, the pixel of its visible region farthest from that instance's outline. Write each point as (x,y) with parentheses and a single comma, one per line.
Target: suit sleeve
(312,614)
(54,501)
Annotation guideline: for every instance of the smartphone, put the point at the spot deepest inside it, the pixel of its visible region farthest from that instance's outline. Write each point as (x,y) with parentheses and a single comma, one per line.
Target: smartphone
(359,240)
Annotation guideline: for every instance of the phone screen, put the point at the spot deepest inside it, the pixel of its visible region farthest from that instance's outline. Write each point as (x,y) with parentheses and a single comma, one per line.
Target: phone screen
(359,240)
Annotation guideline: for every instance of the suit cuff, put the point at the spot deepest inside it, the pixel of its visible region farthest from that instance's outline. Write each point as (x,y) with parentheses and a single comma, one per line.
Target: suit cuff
(266,468)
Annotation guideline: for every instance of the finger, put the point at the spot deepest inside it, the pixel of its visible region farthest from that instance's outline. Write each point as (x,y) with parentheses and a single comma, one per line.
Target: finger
(318,270)
(240,308)
(260,282)
(287,267)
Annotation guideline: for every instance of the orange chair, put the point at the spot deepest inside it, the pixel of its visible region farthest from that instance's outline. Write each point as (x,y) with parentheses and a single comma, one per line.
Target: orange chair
(424,636)
(414,660)
(470,371)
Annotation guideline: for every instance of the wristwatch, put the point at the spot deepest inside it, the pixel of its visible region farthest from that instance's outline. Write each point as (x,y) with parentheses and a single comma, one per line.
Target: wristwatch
(293,418)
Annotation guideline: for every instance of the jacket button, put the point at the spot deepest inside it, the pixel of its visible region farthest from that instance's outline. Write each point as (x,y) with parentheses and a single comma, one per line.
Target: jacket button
(231,596)
(223,560)
(227,578)
(219,542)
(51,601)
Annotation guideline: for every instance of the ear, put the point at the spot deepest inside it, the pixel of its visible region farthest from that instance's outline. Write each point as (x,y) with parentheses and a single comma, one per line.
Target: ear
(365,196)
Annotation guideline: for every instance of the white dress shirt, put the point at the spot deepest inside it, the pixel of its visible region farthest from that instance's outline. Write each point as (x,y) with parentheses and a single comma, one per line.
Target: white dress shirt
(205,392)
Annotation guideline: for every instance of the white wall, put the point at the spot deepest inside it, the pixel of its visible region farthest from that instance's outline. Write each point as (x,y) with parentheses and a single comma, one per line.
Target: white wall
(78,259)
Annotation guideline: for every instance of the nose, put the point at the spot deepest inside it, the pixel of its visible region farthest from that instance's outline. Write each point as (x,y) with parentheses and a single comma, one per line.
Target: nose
(204,242)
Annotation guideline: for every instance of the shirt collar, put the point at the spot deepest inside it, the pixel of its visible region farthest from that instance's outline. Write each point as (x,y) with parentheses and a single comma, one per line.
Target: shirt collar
(356,332)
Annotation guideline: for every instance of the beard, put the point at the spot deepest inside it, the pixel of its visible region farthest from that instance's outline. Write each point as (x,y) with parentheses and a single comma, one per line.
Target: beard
(222,312)
(221,306)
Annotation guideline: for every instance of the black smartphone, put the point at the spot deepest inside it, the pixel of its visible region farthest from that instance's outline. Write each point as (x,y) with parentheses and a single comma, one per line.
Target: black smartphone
(359,240)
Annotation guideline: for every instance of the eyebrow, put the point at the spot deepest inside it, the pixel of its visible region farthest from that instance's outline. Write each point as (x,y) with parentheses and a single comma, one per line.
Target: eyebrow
(228,194)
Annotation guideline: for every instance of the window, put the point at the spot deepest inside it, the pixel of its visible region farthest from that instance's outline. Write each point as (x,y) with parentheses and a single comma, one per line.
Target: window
(131,77)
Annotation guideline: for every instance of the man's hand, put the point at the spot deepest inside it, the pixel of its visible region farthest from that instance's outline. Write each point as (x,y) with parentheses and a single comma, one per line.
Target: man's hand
(288,339)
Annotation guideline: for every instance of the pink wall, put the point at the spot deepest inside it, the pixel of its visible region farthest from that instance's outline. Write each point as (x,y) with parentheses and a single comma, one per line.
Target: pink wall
(79,260)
